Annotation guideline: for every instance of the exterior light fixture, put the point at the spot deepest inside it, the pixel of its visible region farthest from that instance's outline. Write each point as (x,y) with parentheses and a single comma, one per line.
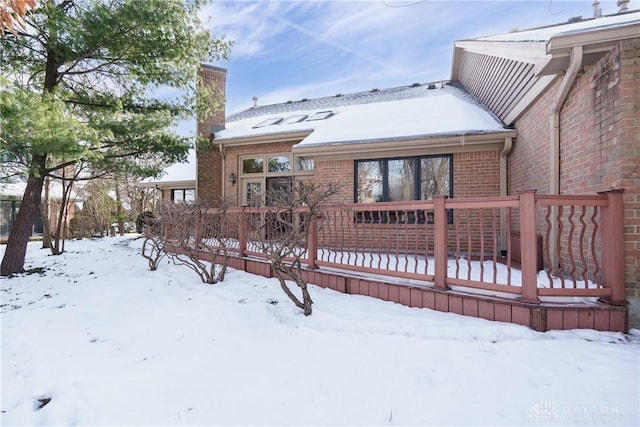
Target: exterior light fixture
(233,178)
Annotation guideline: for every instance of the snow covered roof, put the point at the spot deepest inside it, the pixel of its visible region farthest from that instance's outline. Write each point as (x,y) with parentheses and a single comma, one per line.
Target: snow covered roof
(176,174)
(377,115)
(544,34)
(16,189)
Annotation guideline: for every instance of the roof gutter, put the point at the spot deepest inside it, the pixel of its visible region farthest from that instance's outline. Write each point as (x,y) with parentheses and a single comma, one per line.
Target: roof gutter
(407,146)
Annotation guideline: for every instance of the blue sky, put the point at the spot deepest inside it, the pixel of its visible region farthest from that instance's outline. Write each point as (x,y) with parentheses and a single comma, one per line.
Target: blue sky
(288,50)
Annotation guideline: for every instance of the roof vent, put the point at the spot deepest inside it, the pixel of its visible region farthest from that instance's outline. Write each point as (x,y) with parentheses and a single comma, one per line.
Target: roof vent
(574,19)
(416,84)
(597,12)
(623,5)
(432,86)
(375,89)
(255,101)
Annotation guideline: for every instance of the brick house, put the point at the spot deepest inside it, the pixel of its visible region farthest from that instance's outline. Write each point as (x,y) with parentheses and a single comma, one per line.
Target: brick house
(383,145)
(553,109)
(403,143)
(178,183)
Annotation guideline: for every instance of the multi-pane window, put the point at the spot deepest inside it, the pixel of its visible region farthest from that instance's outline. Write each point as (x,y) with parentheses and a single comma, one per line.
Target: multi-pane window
(279,164)
(252,194)
(303,164)
(269,178)
(408,178)
(253,165)
(402,179)
(186,195)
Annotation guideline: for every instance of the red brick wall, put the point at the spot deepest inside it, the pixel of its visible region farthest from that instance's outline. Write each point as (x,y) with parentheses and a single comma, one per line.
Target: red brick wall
(340,173)
(528,166)
(629,161)
(599,142)
(476,174)
(209,179)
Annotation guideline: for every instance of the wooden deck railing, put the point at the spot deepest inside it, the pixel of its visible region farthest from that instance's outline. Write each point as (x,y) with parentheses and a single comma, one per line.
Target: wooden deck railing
(469,243)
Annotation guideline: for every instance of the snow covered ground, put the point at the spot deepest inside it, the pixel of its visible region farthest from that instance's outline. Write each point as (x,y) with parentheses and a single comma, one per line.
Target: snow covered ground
(111,343)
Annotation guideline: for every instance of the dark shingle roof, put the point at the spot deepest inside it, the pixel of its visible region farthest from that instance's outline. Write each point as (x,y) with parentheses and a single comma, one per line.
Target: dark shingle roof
(415,90)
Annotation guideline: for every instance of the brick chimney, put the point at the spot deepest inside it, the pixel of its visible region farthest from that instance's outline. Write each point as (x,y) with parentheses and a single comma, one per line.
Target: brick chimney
(216,77)
(209,176)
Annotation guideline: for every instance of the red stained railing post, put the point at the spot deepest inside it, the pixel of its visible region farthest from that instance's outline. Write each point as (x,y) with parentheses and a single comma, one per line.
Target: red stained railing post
(243,223)
(528,247)
(312,243)
(440,242)
(198,228)
(612,237)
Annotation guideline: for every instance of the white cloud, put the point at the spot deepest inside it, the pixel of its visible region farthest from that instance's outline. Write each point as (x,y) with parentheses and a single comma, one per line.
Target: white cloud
(296,49)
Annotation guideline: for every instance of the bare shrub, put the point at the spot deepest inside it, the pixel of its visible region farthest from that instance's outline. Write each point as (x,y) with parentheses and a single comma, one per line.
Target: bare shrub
(195,232)
(282,233)
(153,247)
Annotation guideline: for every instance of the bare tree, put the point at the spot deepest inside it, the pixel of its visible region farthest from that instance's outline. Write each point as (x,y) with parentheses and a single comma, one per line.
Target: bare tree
(281,233)
(68,178)
(194,232)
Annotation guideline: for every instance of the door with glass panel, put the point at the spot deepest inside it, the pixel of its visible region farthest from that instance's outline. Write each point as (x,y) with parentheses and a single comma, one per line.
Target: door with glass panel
(252,192)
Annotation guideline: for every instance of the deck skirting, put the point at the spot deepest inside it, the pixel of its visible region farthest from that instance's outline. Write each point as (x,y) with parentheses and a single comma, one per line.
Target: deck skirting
(542,317)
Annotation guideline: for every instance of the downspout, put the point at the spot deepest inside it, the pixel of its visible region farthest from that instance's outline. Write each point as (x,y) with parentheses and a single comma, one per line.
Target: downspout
(223,190)
(575,63)
(504,154)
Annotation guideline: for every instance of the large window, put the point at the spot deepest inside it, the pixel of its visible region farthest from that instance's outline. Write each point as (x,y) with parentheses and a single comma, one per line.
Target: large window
(408,178)
(402,179)
(186,195)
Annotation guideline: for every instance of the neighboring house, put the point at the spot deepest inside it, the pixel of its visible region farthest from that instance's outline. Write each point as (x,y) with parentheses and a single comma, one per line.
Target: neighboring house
(178,182)
(554,109)
(11,197)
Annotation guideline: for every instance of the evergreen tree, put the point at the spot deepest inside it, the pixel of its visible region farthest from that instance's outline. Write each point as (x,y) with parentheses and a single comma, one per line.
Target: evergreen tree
(78,86)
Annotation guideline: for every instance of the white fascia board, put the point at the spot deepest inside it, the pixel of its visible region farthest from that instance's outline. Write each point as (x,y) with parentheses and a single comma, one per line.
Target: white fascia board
(523,51)
(167,184)
(427,144)
(599,39)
